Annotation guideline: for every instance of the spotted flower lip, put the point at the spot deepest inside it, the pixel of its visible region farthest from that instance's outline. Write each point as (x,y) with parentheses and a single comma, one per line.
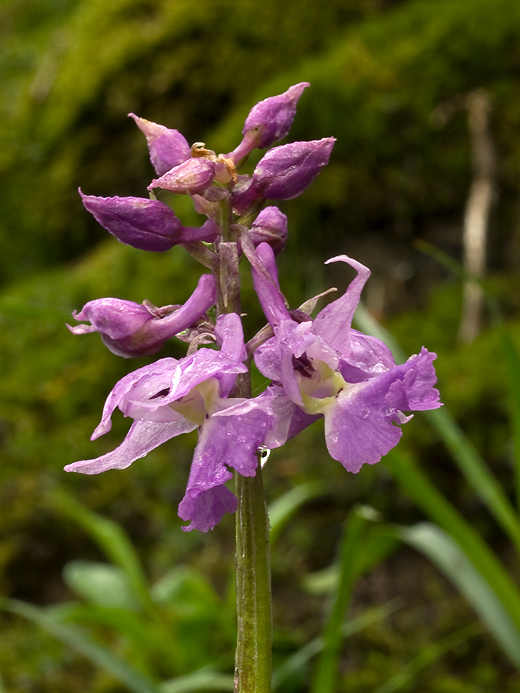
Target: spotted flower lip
(171,397)
(129,329)
(326,368)
(143,223)
(167,147)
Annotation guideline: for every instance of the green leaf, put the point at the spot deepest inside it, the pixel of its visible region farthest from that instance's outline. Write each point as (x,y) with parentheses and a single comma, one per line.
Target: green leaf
(324,680)
(112,540)
(512,360)
(435,505)
(284,508)
(442,550)
(427,656)
(376,546)
(142,634)
(299,659)
(74,638)
(100,583)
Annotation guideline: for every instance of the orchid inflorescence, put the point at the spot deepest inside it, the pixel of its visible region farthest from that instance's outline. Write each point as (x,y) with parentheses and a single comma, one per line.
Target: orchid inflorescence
(319,367)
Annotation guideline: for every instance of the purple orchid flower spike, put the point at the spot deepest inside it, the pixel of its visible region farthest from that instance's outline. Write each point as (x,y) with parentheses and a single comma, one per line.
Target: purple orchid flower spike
(171,397)
(145,224)
(326,368)
(168,148)
(269,121)
(129,329)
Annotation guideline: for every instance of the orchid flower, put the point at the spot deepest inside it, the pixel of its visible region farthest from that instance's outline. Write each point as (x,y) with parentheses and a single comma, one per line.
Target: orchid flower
(327,369)
(171,397)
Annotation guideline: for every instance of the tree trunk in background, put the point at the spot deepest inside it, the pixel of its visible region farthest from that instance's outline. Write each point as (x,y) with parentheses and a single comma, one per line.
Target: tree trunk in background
(477,210)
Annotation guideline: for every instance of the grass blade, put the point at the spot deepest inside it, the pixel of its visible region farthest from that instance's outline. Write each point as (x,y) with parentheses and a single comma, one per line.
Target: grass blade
(441,549)
(284,508)
(440,510)
(512,360)
(134,680)
(299,659)
(112,540)
(428,656)
(324,679)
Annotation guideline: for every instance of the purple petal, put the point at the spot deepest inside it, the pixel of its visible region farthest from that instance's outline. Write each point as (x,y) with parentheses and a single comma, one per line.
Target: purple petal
(333,323)
(285,172)
(226,440)
(287,419)
(359,426)
(357,429)
(274,116)
(270,227)
(112,316)
(149,380)
(168,148)
(413,386)
(129,329)
(368,356)
(269,121)
(190,177)
(265,280)
(142,437)
(142,223)
(154,388)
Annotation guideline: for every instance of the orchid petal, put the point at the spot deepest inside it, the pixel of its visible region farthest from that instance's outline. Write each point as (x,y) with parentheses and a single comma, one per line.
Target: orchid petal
(142,437)
(333,323)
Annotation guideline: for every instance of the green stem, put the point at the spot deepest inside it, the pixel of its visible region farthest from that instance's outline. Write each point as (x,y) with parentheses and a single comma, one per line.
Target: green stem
(253,584)
(253,565)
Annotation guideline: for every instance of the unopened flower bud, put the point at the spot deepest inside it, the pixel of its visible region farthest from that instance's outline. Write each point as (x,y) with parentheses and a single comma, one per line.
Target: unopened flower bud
(129,329)
(168,148)
(245,193)
(191,177)
(144,224)
(269,121)
(270,226)
(284,172)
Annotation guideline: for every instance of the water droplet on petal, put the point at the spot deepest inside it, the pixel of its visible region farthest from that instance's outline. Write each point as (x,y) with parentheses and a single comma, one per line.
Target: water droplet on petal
(264,455)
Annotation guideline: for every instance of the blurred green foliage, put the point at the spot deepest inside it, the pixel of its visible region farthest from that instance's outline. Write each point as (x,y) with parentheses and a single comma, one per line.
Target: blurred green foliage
(389,80)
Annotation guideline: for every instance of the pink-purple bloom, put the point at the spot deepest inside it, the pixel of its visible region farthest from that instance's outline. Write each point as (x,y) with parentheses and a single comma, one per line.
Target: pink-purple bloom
(270,226)
(143,223)
(167,147)
(269,121)
(326,368)
(189,178)
(283,172)
(131,329)
(171,397)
